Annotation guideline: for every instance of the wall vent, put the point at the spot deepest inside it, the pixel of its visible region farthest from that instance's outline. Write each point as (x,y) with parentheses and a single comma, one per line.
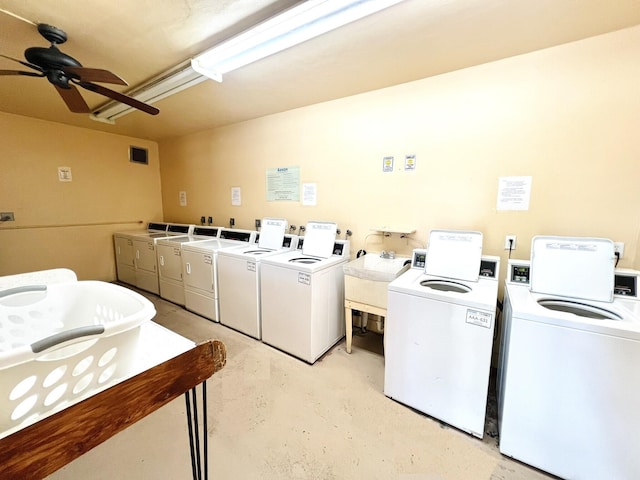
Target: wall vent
(138,155)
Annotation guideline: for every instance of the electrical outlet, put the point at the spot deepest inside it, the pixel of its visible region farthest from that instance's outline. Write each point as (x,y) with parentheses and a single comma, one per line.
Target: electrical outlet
(7,217)
(510,242)
(258,223)
(618,247)
(232,221)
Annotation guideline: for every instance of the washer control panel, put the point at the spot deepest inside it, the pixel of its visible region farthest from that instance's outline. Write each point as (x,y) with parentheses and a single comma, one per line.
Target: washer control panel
(341,248)
(626,283)
(419,258)
(519,272)
(489,268)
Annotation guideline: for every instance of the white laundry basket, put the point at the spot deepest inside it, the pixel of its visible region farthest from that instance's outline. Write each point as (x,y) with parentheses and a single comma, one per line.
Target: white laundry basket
(63,342)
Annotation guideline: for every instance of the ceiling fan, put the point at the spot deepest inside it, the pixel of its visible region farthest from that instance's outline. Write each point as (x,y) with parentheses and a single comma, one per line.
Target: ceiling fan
(64,72)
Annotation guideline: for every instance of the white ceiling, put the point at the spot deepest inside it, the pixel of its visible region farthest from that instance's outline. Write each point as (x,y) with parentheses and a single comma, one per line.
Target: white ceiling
(138,39)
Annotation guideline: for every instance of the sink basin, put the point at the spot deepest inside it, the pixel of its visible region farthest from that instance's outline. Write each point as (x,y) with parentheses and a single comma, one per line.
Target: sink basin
(366,278)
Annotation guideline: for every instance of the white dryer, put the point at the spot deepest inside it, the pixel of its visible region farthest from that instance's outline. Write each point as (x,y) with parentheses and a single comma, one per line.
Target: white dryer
(200,271)
(302,294)
(125,254)
(145,258)
(239,276)
(568,383)
(169,252)
(439,331)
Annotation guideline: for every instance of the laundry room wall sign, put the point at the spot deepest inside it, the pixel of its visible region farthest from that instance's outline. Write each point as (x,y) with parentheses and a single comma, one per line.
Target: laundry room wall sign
(283,184)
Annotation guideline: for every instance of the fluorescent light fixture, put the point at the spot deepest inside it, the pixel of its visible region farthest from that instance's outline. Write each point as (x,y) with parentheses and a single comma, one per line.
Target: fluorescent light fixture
(306,20)
(296,25)
(162,86)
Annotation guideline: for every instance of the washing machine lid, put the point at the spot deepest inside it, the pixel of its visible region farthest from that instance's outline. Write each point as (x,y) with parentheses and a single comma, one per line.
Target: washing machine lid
(272,233)
(454,254)
(319,239)
(608,318)
(576,267)
(482,294)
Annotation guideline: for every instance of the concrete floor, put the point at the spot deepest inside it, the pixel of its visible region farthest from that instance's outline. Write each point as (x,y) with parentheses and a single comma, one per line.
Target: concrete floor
(271,416)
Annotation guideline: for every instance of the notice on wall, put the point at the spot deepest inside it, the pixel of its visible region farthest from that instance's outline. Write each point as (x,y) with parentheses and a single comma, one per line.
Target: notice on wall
(309,194)
(409,163)
(236,198)
(283,184)
(64,174)
(387,164)
(514,193)
(182,198)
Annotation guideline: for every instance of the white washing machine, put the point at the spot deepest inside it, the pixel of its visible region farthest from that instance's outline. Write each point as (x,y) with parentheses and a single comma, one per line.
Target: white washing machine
(439,331)
(239,276)
(145,258)
(125,254)
(200,271)
(568,382)
(169,252)
(302,294)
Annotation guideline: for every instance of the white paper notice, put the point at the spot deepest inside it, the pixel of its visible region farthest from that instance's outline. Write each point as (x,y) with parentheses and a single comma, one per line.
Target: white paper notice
(309,194)
(514,193)
(183,199)
(236,199)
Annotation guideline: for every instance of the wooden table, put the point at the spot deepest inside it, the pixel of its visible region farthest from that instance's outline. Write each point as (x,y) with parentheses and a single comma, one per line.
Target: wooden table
(46,446)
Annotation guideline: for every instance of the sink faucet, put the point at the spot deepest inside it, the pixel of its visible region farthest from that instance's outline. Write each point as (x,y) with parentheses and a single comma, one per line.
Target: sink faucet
(389,254)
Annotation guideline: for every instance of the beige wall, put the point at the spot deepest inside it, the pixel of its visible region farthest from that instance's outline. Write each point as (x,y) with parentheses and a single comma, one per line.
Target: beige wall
(567,116)
(70,224)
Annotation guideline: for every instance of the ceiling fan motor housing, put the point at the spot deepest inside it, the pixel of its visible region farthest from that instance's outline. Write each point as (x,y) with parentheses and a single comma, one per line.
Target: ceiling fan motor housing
(52,62)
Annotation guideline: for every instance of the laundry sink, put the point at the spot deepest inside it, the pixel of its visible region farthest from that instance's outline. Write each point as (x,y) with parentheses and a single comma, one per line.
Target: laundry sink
(367,277)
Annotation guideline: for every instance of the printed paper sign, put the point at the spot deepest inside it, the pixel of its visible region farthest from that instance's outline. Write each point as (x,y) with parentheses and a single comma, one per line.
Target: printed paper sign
(514,193)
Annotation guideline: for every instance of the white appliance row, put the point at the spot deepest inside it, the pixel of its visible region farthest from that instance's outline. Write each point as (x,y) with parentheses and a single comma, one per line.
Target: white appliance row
(568,389)
(287,291)
(136,258)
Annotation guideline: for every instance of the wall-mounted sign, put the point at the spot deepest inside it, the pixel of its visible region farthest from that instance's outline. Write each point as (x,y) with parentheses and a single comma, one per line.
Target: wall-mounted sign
(236,196)
(309,194)
(283,184)
(387,164)
(64,174)
(409,162)
(514,193)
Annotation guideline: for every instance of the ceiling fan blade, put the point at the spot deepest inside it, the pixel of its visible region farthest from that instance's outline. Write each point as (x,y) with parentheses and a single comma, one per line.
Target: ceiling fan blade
(84,74)
(26,64)
(20,72)
(120,97)
(73,99)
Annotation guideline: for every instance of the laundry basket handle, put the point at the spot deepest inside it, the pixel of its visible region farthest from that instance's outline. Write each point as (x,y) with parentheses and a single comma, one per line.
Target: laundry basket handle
(53,340)
(23,289)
